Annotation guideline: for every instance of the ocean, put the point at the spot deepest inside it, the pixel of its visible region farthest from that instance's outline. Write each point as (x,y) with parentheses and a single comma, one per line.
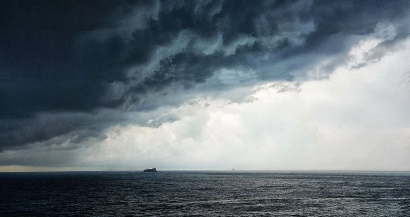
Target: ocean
(205,193)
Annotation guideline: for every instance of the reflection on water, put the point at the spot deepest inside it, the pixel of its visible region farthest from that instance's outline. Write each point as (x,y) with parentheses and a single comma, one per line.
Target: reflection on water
(204,194)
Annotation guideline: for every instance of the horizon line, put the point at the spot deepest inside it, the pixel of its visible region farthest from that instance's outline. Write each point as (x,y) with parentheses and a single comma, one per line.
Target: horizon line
(223,170)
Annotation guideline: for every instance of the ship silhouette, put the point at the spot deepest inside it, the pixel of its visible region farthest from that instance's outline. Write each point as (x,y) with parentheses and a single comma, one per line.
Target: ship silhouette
(151,170)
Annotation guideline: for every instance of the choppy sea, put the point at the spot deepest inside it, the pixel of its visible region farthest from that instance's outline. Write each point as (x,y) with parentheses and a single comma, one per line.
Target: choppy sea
(210,193)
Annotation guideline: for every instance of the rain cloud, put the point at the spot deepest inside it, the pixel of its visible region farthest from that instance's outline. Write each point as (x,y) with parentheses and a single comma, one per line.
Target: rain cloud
(70,70)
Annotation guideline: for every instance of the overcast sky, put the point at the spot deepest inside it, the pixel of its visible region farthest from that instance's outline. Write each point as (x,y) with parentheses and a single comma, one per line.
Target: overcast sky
(185,85)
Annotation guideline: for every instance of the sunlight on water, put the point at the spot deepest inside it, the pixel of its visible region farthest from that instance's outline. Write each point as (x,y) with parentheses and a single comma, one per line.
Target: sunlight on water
(204,194)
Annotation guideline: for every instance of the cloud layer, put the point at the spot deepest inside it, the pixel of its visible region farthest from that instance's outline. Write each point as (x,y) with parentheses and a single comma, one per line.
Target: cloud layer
(68,81)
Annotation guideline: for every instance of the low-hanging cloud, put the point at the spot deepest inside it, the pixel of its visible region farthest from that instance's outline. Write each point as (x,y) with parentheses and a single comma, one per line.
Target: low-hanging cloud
(70,70)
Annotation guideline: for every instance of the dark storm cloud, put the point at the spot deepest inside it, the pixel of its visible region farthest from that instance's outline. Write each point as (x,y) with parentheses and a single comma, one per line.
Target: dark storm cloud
(41,68)
(77,57)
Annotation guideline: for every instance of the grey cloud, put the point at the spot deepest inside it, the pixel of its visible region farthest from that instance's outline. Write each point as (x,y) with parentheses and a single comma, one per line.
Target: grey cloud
(58,74)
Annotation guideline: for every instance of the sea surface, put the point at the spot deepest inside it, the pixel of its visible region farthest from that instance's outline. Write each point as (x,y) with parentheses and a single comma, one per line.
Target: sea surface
(211,193)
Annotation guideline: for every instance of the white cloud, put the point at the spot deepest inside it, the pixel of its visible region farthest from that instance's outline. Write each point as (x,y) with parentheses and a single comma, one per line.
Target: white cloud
(358,119)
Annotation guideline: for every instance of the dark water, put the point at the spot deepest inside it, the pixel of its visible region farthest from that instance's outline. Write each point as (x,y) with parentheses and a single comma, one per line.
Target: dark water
(204,194)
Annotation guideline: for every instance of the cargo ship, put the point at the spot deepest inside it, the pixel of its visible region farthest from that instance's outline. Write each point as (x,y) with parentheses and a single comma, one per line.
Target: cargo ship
(151,170)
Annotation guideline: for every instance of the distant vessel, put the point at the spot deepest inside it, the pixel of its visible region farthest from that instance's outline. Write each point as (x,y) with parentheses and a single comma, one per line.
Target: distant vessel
(151,170)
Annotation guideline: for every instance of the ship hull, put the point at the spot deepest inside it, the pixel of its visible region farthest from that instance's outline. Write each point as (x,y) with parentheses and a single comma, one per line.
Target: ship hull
(152,170)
